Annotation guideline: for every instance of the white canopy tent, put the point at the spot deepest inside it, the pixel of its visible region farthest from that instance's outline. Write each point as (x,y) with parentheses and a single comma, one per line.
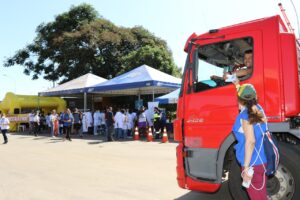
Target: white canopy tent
(170,98)
(75,86)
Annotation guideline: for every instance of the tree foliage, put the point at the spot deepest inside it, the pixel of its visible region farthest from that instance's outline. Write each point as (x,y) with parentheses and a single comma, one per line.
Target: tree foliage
(81,41)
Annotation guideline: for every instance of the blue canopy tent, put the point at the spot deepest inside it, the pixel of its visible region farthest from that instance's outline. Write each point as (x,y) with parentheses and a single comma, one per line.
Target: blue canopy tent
(170,98)
(139,81)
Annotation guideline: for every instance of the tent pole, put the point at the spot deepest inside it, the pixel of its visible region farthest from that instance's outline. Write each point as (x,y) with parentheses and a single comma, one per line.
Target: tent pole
(93,102)
(84,102)
(152,94)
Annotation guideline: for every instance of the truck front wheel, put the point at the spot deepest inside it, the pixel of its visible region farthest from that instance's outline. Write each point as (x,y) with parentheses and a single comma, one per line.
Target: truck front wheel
(282,186)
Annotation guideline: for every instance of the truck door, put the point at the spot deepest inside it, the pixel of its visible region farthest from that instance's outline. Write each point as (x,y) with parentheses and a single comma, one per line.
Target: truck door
(210,103)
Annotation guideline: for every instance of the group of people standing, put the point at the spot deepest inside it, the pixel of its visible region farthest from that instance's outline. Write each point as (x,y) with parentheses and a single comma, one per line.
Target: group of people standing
(155,120)
(82,123)
(58,123)
(121,125)
(114,126)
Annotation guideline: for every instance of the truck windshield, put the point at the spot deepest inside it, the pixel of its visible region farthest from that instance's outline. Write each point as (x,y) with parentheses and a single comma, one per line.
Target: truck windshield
(218,60)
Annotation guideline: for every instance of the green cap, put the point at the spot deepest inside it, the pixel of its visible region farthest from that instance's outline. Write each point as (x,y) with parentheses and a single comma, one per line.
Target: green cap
(247,92)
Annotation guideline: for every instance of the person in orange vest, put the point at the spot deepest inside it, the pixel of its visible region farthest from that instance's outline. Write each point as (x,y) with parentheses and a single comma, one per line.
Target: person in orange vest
(157,122)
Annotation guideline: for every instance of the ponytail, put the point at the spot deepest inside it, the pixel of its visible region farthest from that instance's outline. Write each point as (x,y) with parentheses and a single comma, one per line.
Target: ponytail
(254,115)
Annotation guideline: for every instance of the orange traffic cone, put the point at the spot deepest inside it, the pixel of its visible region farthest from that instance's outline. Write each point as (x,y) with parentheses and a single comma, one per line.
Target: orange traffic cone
(136,134)
(150,136)
(165,136)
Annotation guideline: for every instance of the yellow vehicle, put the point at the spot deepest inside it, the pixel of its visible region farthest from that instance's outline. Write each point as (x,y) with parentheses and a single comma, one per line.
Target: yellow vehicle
(17,107)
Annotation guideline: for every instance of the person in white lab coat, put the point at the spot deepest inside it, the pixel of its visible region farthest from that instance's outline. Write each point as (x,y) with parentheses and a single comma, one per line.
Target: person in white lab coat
(84,125)
(149,116)
(119,121)
(36,123)
(97,122)
(4,126)
(142,122)
(90,122)
(103,123)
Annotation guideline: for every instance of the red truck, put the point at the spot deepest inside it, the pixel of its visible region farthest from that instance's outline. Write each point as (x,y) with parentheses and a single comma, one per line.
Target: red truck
(207,108)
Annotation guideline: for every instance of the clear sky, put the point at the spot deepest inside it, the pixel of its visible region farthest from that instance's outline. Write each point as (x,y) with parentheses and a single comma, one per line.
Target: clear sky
(171,20)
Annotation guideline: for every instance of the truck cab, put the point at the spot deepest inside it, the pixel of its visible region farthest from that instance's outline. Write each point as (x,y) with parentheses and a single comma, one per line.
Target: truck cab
(207,104)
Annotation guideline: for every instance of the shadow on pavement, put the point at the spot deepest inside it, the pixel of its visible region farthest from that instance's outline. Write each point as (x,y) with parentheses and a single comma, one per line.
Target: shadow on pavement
(55,141)
(223,194)
(38,137)
(22,137)
(97,139)
(96,142)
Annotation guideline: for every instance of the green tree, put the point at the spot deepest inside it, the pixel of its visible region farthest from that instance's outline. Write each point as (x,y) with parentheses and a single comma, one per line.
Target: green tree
(156,56)
(81,41)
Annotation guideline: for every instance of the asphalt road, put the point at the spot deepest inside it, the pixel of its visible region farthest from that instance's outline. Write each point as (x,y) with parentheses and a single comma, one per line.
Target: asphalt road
(44,168)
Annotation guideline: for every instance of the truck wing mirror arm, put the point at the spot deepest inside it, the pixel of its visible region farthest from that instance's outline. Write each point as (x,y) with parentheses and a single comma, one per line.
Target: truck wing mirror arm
(190,80)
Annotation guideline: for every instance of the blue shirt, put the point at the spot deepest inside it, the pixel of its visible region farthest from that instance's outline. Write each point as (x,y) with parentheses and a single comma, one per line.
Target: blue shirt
(67,117)
(240,136)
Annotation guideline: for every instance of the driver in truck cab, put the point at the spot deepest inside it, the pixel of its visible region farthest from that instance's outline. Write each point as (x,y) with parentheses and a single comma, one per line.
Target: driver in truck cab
(242,72)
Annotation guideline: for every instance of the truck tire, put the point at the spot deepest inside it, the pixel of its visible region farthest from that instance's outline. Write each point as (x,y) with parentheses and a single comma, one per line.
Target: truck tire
(235,182)
(282,186)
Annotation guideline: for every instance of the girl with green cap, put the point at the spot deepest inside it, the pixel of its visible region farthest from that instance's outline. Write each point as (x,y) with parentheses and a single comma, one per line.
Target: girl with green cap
(249,152)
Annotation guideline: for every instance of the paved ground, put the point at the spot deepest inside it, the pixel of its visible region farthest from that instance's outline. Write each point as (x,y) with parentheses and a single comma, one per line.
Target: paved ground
(43,168)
